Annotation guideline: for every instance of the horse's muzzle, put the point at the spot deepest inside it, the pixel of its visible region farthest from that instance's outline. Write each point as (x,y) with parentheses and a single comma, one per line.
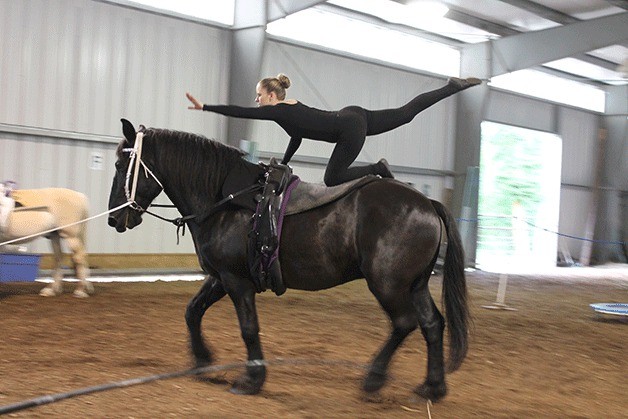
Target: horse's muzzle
(112,221)
(117,223)
(124,219)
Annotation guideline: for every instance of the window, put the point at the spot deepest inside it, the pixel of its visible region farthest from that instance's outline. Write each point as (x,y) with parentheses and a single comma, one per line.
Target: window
(518,198)
(341,33)
(546,86)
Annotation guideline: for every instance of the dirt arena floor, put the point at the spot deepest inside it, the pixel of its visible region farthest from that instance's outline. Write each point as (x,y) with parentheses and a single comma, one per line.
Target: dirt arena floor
(552,358)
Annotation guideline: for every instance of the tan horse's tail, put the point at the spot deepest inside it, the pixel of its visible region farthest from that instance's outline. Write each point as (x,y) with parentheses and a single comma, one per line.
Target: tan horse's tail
(84,216)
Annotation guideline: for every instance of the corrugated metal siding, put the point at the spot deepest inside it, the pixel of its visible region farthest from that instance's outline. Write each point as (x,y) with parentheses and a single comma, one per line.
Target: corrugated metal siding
(580,146)
(578,130)
(79,66)
(520,111)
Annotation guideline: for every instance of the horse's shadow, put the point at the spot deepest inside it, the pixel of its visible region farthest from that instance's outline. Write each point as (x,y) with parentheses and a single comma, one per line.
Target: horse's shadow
(12,289)
(611,320)
(220,379)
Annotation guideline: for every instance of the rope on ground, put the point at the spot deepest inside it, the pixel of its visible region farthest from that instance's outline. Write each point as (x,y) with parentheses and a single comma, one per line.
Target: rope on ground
(52,398)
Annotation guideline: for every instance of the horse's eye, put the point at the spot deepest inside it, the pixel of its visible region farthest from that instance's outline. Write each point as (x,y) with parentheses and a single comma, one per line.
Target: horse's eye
(118,164)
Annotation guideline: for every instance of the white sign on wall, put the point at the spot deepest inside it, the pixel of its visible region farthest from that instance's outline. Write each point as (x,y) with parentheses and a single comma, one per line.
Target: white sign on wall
(96,161)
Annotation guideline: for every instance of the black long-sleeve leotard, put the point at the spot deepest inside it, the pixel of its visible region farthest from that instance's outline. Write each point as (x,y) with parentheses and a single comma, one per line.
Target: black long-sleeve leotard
(347,128)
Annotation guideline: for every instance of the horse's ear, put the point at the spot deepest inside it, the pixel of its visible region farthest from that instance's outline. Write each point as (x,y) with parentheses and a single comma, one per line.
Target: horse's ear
(128,130)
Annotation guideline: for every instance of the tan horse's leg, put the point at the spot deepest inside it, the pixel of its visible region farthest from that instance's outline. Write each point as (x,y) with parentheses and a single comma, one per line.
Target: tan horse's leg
(56,288)
(79,257)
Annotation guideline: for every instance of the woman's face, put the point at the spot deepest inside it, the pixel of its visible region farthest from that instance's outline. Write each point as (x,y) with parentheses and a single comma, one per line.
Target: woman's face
(262,97)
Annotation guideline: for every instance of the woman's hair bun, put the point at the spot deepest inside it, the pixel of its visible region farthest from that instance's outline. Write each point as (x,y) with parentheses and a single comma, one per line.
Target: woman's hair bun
(283,80)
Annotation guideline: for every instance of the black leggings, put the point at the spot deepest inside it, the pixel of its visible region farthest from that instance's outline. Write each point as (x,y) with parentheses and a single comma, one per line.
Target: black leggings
(356,123)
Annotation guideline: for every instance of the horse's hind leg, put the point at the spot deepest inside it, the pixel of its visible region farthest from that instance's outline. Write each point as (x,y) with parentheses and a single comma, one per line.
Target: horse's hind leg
(81,267)
(242,294)
(210,292)
(404,319)
(56,288)
(432,326)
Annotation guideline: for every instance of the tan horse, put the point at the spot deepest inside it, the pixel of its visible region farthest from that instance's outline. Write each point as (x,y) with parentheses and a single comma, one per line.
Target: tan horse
(47,209)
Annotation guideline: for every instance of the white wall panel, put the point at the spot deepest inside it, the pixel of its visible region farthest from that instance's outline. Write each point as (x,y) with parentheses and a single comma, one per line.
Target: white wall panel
(574,208)
(81,65)
(520,111)
(580,146)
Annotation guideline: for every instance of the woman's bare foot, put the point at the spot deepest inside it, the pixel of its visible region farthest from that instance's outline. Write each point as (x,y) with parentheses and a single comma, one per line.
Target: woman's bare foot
(464,83)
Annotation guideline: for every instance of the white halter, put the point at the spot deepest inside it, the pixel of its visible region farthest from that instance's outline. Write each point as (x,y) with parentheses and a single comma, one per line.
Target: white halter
(7,204)
(134,164)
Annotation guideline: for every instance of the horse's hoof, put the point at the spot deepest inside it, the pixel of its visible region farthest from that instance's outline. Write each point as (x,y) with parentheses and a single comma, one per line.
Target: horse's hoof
(48,292)
(243,390)
(374,381)
(80,294)
(431,392)
(245,386)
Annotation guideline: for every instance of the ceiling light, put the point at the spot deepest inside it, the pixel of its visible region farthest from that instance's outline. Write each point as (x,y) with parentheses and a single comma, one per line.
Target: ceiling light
(427,8)
(395,12)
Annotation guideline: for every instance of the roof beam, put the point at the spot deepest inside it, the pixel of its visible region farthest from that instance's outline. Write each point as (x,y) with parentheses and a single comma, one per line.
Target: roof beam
(543,11)
(476,22)
(527,50)
(278,9)
(623,4)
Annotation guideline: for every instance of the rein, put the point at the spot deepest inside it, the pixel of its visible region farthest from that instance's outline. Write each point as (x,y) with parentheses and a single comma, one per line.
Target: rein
(180,222)
(131,189)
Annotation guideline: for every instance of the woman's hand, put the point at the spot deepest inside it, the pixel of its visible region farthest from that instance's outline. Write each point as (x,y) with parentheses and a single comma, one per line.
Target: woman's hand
(197,105)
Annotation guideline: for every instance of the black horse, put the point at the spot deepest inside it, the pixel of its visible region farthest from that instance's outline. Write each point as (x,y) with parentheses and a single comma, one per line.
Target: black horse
(385,232)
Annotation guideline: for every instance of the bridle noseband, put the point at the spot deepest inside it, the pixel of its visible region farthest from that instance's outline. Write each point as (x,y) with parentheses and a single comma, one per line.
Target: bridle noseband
(135,156)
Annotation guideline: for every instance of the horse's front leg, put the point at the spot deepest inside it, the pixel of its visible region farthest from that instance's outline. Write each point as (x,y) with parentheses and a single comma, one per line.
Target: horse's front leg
(242,294)
(56,288)
(210,292)
(81,267)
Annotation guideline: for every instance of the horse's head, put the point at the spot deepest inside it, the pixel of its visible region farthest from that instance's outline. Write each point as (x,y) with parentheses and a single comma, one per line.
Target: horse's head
(134,183)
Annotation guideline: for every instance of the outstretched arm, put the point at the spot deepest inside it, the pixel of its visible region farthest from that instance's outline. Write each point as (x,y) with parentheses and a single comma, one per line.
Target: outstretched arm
(271,113)
(293,146)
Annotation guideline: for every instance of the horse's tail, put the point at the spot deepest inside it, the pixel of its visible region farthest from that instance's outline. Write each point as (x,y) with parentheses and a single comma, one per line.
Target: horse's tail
(454,290)
(84,216)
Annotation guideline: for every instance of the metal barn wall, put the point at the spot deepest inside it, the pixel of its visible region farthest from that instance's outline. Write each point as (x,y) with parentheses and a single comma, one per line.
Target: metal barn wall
(70,69)
(81,65)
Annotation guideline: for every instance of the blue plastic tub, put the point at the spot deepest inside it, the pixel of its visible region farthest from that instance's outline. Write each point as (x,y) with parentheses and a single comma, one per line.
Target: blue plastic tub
(18,267)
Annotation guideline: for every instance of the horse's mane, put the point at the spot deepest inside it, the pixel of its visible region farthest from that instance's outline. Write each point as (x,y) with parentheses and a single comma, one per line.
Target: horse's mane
(191,159)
